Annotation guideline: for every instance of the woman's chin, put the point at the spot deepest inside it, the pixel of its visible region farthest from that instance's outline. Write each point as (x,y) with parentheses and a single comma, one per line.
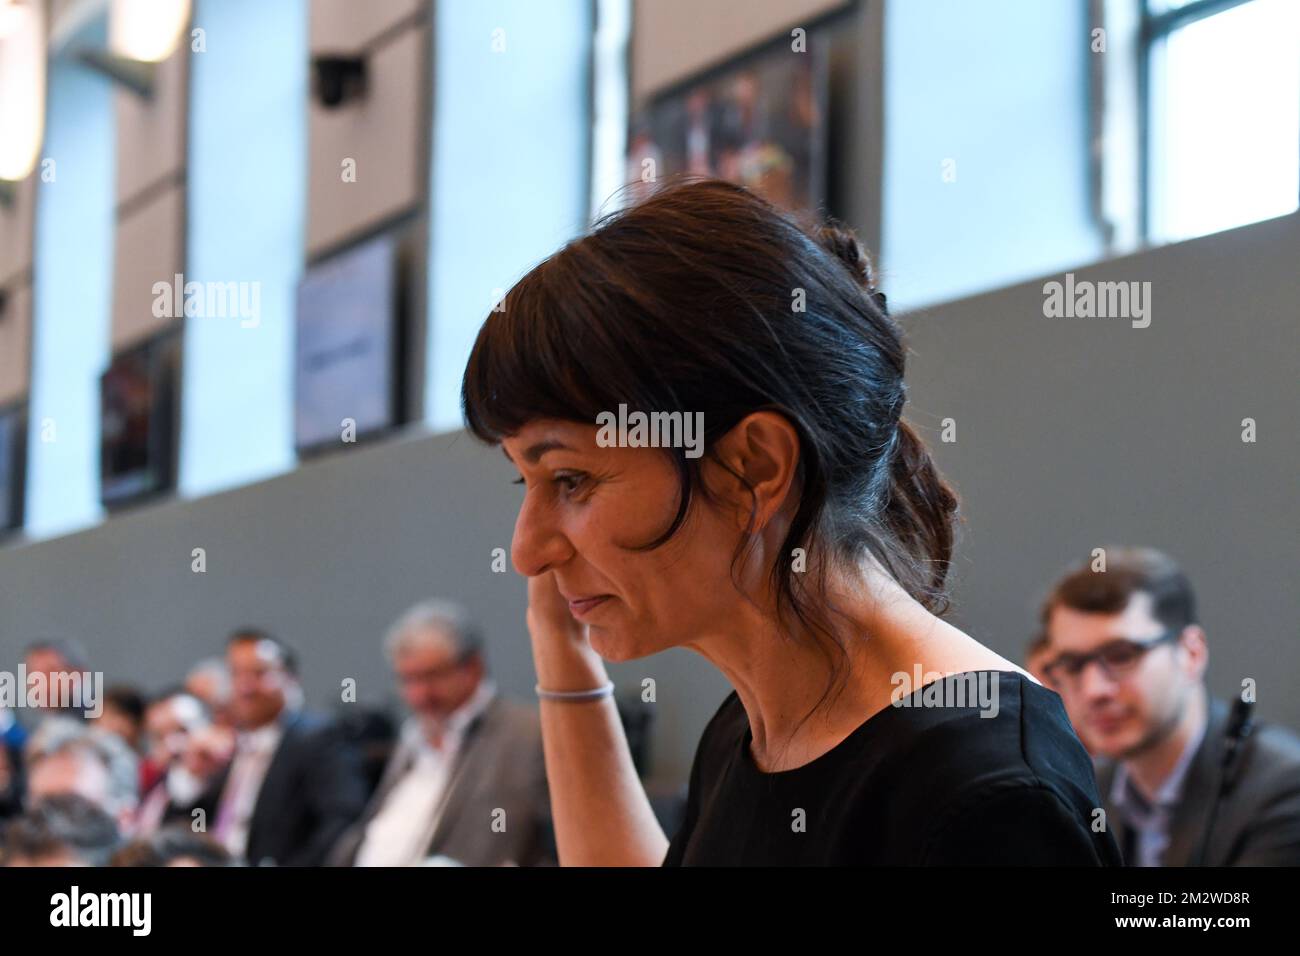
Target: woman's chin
(615,644)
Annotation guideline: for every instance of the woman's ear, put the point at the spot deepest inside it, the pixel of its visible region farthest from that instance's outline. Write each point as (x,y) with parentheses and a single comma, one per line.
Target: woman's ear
(761,459)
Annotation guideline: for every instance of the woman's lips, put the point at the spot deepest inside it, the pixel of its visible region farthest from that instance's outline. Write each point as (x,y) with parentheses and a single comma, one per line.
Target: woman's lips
(580,607)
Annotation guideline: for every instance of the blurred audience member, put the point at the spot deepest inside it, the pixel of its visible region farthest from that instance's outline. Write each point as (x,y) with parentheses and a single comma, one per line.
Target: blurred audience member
(12,738)
(209,681)
(172,846)
(70,756)
(61,830)
(61,666)
(172,723)
(12,734)
(123,714)
(1145,708)
(293,785)
(372,734)
(465,754)
(1036,655)
(11,782)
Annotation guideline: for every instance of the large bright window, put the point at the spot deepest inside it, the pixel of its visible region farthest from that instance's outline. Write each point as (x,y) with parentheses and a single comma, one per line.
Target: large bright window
(247,175)
(1223,81)
(72,289)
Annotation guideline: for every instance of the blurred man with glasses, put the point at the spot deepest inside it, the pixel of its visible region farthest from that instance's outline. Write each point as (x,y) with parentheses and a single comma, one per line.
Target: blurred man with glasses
(1126,653)
(466,783)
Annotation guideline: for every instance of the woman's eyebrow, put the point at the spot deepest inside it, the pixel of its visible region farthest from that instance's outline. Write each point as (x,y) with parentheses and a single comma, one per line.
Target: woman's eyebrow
(533,452)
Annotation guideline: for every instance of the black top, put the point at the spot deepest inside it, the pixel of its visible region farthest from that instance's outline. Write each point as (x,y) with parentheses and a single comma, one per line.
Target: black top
(924,784)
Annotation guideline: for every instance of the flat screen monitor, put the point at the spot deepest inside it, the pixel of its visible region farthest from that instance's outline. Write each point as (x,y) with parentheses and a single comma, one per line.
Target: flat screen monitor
(138,420)
(13,466)
(759,119)
(347,382)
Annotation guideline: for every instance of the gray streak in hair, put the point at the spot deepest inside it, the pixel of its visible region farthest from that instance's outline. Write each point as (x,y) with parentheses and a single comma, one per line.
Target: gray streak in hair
(442,616)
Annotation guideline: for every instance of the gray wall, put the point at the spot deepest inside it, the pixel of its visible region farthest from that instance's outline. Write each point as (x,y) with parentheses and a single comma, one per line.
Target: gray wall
(1079,433)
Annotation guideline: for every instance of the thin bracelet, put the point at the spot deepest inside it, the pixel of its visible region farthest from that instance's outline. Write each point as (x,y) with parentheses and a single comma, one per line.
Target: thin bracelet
(576,696)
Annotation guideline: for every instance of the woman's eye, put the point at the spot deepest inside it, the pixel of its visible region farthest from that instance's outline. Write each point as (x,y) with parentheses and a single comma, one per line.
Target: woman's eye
(570,483)
(518,481)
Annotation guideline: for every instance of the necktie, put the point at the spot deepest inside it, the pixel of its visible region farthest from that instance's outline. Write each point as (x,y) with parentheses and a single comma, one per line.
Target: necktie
(240,769)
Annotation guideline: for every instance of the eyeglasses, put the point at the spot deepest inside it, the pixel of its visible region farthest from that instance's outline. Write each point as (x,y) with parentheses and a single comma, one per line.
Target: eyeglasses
(1117,658)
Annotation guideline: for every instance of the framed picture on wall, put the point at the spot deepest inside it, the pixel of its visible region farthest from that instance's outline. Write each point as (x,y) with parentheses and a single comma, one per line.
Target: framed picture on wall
(348,382)
(13,467)
(138,420)
(758,119)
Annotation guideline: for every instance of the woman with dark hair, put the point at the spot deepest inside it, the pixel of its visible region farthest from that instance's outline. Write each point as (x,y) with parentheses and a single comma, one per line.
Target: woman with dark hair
(799,540)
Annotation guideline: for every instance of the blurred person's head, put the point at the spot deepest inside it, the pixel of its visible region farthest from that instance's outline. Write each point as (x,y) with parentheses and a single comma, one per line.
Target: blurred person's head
(62,830)
(1037,654)
(54,657)
(800,453)
(67,756)
(437,658)
(263,678)
(61,664)
(1125,652)
(170,721)
(172,846)
(209,681)
(123,714)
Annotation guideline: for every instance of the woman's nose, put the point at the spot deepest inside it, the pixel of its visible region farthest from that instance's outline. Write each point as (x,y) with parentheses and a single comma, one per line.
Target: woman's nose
(538,546)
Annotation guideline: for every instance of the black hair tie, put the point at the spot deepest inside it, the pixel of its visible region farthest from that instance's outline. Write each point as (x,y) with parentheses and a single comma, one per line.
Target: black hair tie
(881,301)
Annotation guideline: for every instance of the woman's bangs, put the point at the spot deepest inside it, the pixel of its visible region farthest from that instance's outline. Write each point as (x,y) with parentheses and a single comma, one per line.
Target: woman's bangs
(526,365)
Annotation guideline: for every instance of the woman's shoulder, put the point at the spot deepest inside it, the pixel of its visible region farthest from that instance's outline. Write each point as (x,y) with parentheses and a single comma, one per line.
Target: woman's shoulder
(986,722)
(999,775)
(975,733)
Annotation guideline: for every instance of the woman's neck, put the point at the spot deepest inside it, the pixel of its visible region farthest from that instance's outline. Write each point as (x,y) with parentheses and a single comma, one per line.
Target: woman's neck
(782,674)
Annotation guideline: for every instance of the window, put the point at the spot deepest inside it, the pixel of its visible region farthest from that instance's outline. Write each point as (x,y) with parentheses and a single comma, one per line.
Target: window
(1223,108)
(72,288)
(510,179)
(247,158)
(609,57)
(985,148)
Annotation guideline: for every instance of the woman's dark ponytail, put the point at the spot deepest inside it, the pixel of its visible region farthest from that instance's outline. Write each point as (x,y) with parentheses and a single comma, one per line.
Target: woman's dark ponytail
(921,515)
(921,508)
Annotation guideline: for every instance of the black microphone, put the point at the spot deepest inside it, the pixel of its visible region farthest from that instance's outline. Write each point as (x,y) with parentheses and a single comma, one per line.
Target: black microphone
(1239,727)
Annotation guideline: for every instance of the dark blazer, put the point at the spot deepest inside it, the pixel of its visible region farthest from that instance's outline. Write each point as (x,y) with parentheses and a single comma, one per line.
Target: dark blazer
(1258,822)
(313,789)
(11,795)
(500,766)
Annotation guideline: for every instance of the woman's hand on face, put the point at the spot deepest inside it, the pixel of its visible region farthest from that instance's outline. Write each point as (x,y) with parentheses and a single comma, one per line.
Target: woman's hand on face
(549,619)
(563,656)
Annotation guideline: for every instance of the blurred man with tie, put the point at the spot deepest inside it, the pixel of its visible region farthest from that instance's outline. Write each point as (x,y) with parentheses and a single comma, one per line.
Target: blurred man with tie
(467,782)
(293,785)
(1128,657)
